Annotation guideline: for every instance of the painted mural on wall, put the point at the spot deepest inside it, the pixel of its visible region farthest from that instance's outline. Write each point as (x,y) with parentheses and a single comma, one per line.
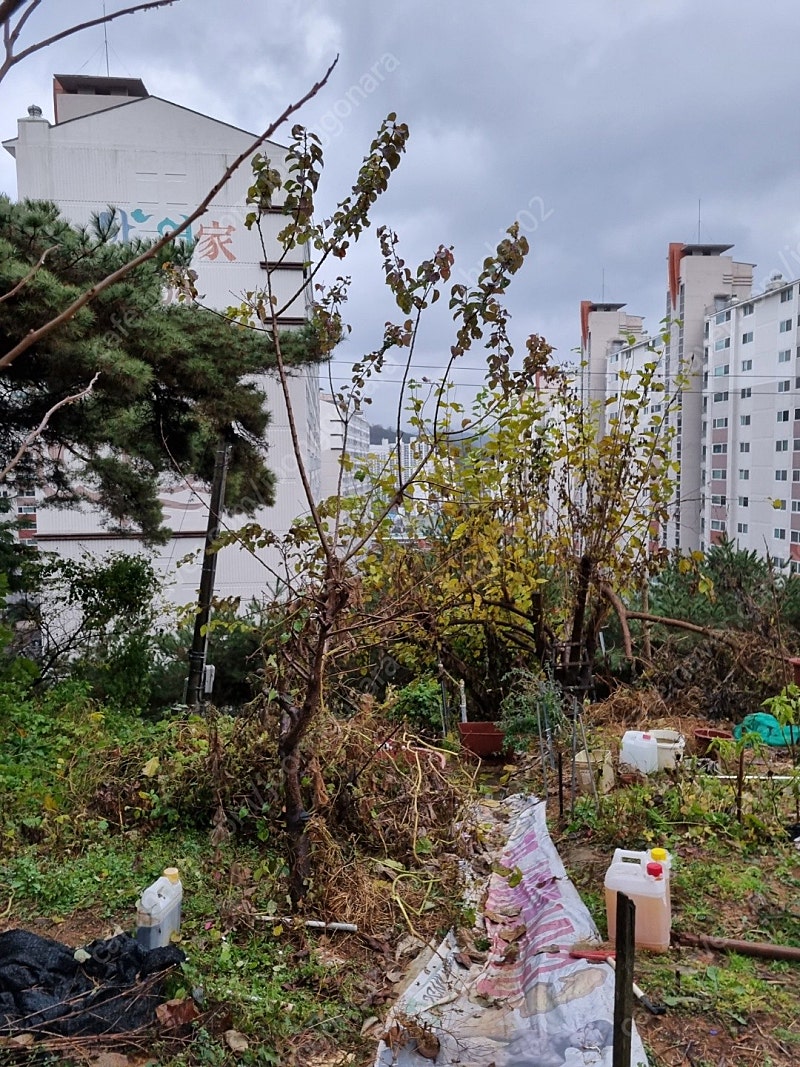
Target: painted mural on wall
(213,239)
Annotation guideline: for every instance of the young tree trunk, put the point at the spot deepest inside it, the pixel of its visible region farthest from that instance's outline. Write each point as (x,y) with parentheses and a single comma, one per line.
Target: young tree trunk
(574,667)
(295,722)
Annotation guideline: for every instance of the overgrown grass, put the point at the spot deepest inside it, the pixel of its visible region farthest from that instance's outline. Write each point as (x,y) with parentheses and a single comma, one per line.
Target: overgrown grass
(93,806)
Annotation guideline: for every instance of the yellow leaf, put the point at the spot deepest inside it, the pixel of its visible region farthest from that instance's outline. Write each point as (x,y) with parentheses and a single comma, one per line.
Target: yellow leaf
(151,767)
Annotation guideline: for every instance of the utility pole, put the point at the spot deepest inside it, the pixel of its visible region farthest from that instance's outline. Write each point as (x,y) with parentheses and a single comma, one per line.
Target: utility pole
(197,655)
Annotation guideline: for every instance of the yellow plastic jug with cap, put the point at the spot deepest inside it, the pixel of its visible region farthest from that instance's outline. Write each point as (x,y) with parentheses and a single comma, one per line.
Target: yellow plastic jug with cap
(643,881)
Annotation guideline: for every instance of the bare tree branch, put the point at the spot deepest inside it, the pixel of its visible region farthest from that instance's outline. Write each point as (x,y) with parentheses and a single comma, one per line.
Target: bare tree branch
(21,284)
(622,615)
(10,36)
(34,434)
(36,335)
(8,8)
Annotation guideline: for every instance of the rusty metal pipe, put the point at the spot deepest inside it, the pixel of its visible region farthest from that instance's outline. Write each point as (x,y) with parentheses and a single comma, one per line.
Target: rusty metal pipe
(762,949)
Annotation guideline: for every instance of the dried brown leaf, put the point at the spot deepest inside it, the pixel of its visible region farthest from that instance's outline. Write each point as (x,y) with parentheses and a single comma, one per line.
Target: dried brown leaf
(176,1013)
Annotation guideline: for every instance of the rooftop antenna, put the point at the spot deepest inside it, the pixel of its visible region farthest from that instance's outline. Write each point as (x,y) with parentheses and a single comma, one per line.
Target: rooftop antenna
(603,287)
(105,37)
(698,220)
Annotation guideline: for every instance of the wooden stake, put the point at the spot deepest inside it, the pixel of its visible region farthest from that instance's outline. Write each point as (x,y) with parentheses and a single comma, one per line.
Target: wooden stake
(623,981)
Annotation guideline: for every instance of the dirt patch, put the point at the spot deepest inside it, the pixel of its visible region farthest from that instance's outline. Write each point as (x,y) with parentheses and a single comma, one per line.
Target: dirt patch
(75,930)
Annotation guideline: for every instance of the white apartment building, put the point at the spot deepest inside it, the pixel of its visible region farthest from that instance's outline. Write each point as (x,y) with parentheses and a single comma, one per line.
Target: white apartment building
(698,275)
(605,328)
(111,143)
(751,423)
(382,458)
(333,447)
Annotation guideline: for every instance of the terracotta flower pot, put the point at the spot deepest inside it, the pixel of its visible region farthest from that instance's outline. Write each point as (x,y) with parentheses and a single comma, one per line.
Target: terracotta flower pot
(481,738)
(704,737)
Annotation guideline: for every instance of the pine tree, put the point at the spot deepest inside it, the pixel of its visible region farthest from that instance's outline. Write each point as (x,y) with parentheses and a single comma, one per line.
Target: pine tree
(173,379)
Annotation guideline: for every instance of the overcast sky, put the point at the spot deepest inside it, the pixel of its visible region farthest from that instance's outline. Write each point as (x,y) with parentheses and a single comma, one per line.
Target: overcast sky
(599,124)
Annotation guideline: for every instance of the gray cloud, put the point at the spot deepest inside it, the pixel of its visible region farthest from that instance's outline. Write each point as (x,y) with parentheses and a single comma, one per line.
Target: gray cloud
(598,124)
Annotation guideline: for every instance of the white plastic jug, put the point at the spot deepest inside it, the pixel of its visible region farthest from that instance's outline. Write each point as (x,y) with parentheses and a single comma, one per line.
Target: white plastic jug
(640,751)
(644,882)
(158,911)
(641,859)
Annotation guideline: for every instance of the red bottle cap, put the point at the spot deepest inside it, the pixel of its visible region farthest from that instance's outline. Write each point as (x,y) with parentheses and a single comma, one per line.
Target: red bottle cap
(655,870)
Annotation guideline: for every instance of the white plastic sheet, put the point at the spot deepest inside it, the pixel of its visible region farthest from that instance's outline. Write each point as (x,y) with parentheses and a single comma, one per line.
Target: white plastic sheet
(527,1006)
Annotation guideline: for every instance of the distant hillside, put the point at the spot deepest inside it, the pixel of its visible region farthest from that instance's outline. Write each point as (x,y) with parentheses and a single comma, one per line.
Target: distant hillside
(379,433)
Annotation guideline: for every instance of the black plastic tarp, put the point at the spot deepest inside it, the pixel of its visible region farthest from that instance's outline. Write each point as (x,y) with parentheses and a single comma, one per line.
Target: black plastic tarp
(45,989)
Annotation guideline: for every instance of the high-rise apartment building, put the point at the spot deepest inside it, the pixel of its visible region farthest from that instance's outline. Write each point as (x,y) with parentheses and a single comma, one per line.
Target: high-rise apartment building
(341,441)
(605,328)
(751,423)
(698,275)
(111,143)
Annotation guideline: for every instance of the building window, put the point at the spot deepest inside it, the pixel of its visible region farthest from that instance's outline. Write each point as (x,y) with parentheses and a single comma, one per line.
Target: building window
(722,343)
(795,537)
(744,474)
(719,500)
(796,476)
(747,364)
(785,355)
(718,524)
(796,505)
(780,476)
(779,505)
(784,386)
(747,337)
(786,295)
(720,424)
(743,501)
(719,450)
(744,420)
(744,446)
(719,397)
(748,309)
(718,474)
(722,316)
(779,534)
(720,372)
(746,393)
(741,527)
(783,416)
(785,326)
(782,446)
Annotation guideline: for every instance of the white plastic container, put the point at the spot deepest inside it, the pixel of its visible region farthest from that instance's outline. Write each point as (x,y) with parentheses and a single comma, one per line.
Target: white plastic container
(158,911)
(602,768)
(641,859)
(640,751)
(671,745)
(644,882)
